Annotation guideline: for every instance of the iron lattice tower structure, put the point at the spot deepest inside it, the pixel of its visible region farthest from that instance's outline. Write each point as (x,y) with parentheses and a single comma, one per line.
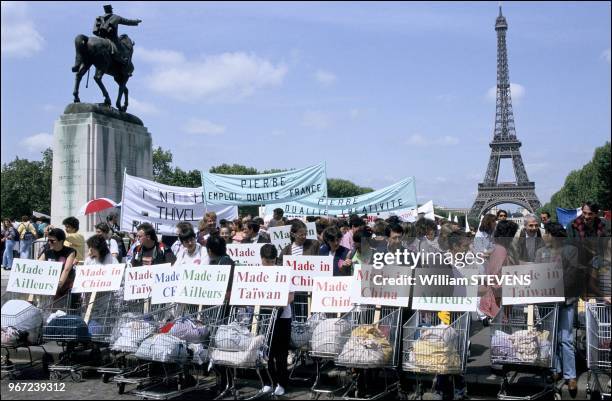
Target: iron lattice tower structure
(505,145)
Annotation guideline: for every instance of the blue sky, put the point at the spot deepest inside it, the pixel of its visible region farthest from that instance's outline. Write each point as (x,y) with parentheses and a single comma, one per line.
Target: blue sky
(379,91)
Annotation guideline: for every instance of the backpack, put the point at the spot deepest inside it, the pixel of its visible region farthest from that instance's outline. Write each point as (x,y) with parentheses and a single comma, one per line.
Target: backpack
(28,235)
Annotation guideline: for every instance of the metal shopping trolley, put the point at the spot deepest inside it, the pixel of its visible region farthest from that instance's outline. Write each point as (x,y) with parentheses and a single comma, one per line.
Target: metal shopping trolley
(239,343)
(179,374)
(22,329)
(433,348)
(598,349)
(302,325)
(371,348)
(524,340)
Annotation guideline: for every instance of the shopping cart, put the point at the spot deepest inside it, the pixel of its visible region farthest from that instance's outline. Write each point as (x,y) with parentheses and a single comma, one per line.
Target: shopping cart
(524,340)
(22,329)
(239,343)
(371,348)
(67,324)
(328,340)
(598,349)
(302,325)
(433,348)
(182,375)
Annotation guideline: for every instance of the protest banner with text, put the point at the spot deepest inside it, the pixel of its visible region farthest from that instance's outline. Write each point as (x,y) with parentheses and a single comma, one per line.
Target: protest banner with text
(546,284)
(138,282)
(245,254)
(332,294)
(260,285)
(34,277)
(306,268)
(260,189)
(202,284)
(444,289)
(165,281)
(370,287)
(98,278)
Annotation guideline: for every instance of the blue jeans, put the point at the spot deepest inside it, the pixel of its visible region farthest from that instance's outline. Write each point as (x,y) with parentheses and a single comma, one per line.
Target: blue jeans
(25,249)
(566,353)
(7,256)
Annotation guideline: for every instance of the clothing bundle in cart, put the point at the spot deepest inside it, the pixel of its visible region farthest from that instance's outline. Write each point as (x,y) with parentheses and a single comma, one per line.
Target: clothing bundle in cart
(62,326)
(21,323)
(301,332)
(326,336)
(436,350)
(234,344)
(523,346)
(367,345)
(131,332)
(162,348)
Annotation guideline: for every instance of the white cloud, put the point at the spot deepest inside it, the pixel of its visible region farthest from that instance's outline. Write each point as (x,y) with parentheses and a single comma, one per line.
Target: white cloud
(205,127)
(222,77)
(37,143)
(606,55)
(325,78)
(517,91)
(316,119)
(19,37)
(420,140)
(138,107)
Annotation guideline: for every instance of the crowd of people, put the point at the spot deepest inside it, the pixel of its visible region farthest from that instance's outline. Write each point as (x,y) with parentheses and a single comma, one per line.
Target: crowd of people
(581,248)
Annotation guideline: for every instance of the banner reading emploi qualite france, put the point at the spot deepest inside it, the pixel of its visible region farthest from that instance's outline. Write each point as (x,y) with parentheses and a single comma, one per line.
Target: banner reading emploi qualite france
(260,189)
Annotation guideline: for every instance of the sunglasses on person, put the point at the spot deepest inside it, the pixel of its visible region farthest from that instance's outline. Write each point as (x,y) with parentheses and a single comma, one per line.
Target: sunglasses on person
(51,241)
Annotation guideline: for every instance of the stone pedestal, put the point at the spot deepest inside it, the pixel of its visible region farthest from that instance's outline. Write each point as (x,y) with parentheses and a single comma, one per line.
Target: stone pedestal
(92,146)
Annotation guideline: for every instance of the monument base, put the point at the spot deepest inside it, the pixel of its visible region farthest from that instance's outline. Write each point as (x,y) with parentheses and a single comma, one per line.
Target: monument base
(92,146)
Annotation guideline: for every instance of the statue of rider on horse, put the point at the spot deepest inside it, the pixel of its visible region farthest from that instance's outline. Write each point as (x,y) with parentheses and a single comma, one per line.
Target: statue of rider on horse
(110,54)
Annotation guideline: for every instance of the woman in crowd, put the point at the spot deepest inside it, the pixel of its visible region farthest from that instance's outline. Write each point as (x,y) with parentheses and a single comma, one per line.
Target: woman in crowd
(104,230)
(361,241)
(99,252)
(59,253)
(483,242)
(190,251)
(300,245)
(10,236)
(27,235)
(226,234)
(331,247)
(237,236)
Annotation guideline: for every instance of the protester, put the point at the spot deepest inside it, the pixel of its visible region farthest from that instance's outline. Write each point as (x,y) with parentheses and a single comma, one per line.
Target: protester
(98,251)
(252,235)
(41,224)
(394,233)
(529,239)
(103,230)
(277,218)
(237,236)
(226,234)
(544,218)
(206,227)
(279,347)
(347,239)
(501,215)
(379,240)
(149,250)
(58,252)
(113,222)
(300,245)
(180,226)
(73,238)
(27,236)
(10,236)
(190,252)
(331,247)
(483,241)
(362,252)
(557,250)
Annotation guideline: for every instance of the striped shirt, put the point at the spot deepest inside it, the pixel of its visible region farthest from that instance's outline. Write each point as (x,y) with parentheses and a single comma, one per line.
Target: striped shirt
(297,250)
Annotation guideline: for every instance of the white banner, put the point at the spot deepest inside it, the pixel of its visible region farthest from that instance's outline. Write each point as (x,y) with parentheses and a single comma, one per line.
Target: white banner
(245,254)
(463,296)
(98,278)
(138,282)
(260,189)
(366,292)
(546,284)
(306,268)
(164,206)
(280,235)
(34,277)
(202,284)
(260,285)
(332,294)
(165,280)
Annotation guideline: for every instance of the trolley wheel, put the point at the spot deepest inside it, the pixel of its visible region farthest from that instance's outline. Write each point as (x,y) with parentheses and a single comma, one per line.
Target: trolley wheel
(55,376)
(105,377)
(76,376)
(557,396)
(121,388)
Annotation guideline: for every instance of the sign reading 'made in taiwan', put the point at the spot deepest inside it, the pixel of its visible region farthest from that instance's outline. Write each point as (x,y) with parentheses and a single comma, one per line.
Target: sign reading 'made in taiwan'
(260,189)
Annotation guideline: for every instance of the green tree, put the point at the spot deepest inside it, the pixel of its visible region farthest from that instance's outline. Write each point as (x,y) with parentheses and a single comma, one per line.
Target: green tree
(339,188)
(26,186)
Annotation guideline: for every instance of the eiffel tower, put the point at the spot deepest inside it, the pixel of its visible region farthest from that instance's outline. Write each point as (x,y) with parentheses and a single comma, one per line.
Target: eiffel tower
(505,145)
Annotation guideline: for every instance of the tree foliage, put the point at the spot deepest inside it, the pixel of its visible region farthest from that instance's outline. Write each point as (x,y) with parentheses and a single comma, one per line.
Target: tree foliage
(26,186)
(591,182)
(339,188)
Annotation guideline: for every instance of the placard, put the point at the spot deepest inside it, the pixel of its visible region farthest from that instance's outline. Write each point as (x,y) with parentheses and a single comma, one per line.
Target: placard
(202,284)
(30,276)
(98,278)
(245,254)
(305,268)
(138,282)
(546,284)
(366,291)
(463,294)
(280,236)
(165,280)
(260,285)
(332,294)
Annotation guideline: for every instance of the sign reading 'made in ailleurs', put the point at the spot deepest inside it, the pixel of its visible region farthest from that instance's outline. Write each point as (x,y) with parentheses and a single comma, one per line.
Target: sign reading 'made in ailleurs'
(243,190)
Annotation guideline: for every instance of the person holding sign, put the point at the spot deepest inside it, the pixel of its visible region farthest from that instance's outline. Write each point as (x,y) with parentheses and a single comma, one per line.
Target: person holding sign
(57,252)
(226,234)
(104,230)
(217,254)
(191,252)
(252,235)
(342,261)
(149,250)
(99,253)
(299,244)
(279,348)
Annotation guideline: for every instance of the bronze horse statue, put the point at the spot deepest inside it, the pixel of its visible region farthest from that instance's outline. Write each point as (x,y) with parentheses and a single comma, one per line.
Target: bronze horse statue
(98,52)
